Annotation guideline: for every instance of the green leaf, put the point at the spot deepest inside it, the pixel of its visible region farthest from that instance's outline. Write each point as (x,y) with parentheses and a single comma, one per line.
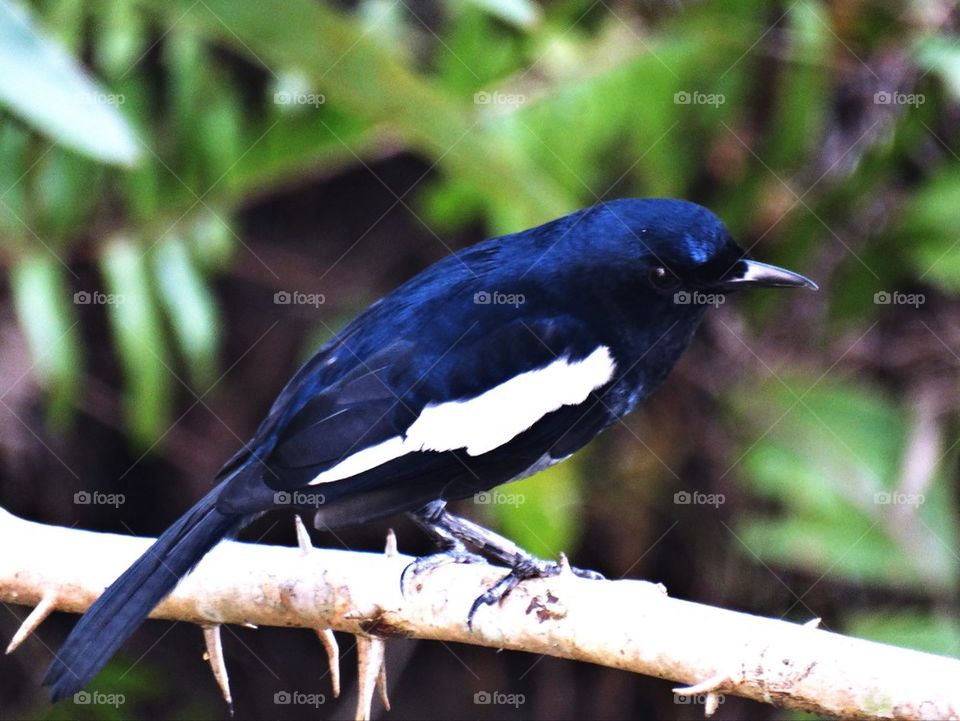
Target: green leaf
(14,143)
(802,92)
(211,239)
(41,297)
(45,87)
(941,55)
(928,632)
(928,225)
(368,80)
(191,309)
(62,198)
(540,513)
(121,38)
(831,454)
(138,331)
(524,14)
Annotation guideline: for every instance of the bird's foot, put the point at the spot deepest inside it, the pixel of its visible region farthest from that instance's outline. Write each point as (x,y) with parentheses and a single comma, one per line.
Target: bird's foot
(524,568)
(425,564)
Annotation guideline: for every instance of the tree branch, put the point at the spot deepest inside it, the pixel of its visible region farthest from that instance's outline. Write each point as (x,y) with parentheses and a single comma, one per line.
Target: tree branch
(630,625)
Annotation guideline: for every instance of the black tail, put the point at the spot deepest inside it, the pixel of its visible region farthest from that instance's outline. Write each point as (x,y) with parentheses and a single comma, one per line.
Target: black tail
(126,602)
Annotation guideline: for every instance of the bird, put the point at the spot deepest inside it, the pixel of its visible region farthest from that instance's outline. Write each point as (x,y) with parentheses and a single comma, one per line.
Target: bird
(491,365)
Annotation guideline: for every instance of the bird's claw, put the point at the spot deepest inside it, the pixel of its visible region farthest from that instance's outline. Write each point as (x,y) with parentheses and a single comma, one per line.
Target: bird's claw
(588,574)
(425,564)
(524,568)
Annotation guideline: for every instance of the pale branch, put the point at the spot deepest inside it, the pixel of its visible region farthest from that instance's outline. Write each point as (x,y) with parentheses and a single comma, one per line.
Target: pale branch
(630,625)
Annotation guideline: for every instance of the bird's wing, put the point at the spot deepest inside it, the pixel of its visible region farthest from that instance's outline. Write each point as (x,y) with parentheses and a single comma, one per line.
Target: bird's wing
(405,407)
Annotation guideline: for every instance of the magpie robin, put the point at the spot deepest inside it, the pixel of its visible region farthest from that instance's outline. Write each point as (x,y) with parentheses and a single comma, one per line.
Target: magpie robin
(489,366)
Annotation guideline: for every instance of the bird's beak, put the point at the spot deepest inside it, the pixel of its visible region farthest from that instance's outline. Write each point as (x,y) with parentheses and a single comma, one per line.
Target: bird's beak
(754,274)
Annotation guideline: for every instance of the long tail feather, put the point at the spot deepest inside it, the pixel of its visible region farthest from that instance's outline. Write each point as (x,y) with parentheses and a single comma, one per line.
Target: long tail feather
(127,601)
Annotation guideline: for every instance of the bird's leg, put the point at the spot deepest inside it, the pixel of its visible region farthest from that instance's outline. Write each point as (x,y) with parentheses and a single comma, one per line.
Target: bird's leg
(456,533)
(452,549)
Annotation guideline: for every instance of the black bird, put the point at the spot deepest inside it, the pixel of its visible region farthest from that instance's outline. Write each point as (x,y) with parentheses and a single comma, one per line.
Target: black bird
(489,366)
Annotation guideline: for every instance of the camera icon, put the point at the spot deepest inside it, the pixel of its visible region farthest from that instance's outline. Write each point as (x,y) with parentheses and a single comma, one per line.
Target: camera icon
(882,498)
(482,298)
(481,98)
(482,698)
(83,698)
(483,498)
(281,498)
(882,298)
(682,498)
(282,698)
(883,97)
(282,297)
(681,98)
(282,97)
(682,297)
(82,498)
(82,297)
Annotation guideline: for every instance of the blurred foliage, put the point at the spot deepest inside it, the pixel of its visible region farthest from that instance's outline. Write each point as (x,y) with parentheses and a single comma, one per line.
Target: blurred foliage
(823,133)
(833,457)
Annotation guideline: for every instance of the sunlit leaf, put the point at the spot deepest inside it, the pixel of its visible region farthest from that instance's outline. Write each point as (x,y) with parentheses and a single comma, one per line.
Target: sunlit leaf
(941,55)
(141,342)
(211,240)
(120,44)
(48,89)
(42,299)
(522,13)
(190,307)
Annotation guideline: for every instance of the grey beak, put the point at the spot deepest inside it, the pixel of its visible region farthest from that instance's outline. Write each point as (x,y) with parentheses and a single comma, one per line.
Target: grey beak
(761,275)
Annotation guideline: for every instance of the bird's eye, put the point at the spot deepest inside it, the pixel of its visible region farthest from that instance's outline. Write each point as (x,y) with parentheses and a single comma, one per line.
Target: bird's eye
(663,279)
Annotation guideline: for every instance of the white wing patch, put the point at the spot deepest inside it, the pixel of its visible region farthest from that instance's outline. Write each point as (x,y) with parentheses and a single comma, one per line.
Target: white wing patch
(489,420)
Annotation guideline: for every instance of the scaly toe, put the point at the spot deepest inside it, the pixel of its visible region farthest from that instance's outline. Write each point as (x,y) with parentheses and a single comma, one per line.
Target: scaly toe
(425,564)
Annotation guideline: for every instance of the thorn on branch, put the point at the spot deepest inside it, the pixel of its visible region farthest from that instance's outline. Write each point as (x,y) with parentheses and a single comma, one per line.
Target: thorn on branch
(214,654)
(37,616)
(303,537)
(372,674)
(710,687)
(371,658)
(329,642)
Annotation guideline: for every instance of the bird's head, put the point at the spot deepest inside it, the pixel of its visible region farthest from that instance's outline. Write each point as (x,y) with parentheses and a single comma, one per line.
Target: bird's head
(667,246)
